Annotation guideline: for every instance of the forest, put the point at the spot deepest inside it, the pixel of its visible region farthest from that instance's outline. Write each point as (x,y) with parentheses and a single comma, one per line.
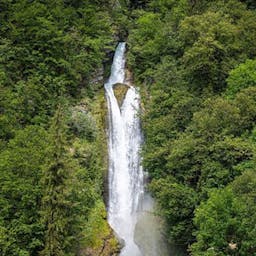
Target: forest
(195,64)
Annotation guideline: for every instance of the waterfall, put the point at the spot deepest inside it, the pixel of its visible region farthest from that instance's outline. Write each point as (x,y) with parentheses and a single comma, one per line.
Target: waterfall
(125,172)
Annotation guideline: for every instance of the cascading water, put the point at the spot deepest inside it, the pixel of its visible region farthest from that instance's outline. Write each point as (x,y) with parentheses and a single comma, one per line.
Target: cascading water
(129,208)
(125,172)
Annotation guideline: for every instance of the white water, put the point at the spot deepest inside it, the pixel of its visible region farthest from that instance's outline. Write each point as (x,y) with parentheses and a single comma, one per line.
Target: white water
(125,172)
(130,207)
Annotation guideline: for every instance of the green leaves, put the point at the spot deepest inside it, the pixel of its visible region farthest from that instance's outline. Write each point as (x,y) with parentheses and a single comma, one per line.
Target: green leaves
(197,140)
(243,76)
(226,221)
(210,41)
(215,223)
(177,203)
(49,52)
(20,171)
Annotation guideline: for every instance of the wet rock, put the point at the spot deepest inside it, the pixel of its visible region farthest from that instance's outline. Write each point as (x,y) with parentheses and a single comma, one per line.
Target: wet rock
(120,91)
(128,77)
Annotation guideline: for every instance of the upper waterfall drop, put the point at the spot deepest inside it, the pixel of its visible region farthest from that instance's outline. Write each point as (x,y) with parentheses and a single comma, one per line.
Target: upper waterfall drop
(118,67)
(125,172)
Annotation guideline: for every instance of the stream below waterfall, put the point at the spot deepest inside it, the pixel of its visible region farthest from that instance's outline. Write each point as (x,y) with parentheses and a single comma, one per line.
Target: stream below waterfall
(130,208)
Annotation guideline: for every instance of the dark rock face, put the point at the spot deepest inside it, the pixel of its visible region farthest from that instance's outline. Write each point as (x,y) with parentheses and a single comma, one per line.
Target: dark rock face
(134,4)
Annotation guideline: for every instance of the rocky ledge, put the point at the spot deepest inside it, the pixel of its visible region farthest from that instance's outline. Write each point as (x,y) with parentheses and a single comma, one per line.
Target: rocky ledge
(120,91)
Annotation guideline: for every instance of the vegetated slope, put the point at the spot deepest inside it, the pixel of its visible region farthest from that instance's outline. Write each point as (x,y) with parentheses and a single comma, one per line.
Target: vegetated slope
(195,62)
(52,161)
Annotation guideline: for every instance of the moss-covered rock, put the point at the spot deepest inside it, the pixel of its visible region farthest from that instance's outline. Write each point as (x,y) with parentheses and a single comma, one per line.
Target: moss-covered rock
(120,91)
(99,239)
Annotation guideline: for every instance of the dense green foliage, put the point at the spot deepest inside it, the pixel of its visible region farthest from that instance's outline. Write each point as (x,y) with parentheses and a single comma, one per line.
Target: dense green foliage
(226,221)
(51,160)
(195,62)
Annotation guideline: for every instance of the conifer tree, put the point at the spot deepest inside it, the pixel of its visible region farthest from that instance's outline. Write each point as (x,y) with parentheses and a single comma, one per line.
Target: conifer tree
(55,203)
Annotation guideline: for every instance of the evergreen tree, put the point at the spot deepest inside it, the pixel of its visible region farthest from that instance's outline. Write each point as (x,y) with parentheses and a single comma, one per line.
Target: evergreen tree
(55,204)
